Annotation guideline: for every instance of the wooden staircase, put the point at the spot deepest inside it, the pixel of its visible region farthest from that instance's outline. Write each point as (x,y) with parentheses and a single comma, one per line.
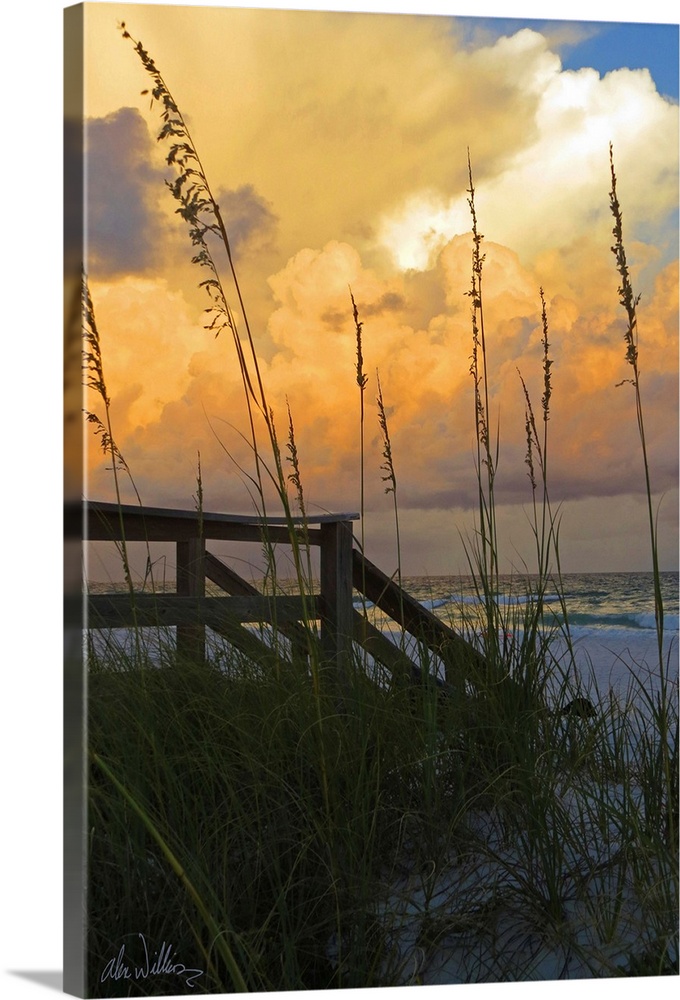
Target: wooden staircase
(344,572)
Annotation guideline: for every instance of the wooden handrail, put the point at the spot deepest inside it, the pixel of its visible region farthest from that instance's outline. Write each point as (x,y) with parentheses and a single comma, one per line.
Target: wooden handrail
(411,615)
(172,609)
(101,521)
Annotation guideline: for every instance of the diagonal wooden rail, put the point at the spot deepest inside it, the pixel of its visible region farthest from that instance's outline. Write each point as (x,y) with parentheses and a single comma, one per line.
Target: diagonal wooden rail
(455,651)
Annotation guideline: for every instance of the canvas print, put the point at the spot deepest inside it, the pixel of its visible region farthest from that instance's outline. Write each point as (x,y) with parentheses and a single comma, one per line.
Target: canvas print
(371,520)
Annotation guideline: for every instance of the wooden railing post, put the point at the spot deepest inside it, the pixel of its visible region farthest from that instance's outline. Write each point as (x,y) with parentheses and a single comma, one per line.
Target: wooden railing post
(337,625)
(191,583)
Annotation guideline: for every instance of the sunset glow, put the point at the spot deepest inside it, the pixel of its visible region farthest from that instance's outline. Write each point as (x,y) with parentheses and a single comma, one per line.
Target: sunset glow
(336,145)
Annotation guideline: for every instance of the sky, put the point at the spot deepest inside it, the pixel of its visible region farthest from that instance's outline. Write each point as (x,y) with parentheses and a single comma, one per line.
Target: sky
(336,144)
(601,45)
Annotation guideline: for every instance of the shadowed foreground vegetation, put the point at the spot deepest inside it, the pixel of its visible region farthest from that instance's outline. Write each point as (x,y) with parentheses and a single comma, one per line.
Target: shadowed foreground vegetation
(279,841)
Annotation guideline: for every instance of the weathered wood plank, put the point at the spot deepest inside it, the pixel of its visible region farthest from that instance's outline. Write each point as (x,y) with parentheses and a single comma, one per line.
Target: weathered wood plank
(411,615)
(229,580)
(191,583)
(244,640)
(106,527)
(337,626)
(99,521)
(116,610)
(382,650)
(385,652)
(175,513)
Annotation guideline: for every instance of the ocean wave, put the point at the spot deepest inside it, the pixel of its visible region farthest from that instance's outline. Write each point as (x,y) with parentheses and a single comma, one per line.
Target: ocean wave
(642,620)
(438,602)
(502,600)
(587,593)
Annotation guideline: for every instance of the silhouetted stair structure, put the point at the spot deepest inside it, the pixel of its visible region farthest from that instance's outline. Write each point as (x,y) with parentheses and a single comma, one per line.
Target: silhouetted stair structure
(343,570)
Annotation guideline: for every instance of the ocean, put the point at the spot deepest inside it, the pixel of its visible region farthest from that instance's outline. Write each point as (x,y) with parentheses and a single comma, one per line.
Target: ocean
(603,602)
(608,617)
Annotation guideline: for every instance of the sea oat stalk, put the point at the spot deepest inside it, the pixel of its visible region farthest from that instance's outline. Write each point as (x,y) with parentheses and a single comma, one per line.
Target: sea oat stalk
(362,381)
(630,301)
(198,207)
(387,468)
(93,368)
(487,556)
(295,478)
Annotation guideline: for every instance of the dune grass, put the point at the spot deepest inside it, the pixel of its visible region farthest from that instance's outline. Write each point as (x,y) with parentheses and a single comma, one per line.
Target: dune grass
(277,836)
(278,840)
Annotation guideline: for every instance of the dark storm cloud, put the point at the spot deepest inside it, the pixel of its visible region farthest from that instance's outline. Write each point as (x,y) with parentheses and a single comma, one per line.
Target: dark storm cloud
(73,197)
(389,302)
(248,218)
(125,225)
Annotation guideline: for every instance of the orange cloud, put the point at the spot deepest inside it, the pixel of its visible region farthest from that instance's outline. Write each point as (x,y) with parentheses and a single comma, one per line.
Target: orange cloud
(358,179)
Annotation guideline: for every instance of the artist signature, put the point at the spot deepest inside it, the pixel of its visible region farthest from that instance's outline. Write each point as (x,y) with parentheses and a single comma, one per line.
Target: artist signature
(163,963)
